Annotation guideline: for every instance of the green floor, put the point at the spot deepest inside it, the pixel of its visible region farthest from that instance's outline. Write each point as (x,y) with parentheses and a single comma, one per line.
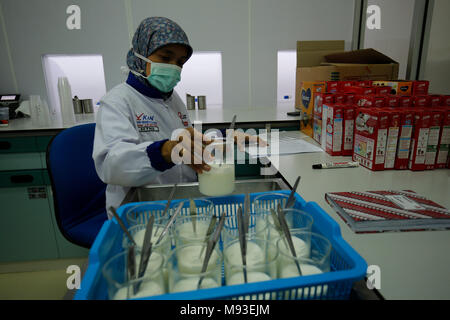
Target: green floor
(36,280)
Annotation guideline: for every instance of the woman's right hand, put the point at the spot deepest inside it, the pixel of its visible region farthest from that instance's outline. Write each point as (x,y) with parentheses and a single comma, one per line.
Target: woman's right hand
(188,149)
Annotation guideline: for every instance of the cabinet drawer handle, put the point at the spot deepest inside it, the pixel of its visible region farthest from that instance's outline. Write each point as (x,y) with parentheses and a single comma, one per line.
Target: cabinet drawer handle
(25,178)
(5,145)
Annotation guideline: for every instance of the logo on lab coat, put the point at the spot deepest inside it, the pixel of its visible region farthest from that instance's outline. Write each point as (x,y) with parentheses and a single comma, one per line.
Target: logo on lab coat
(146,123)
(183,118)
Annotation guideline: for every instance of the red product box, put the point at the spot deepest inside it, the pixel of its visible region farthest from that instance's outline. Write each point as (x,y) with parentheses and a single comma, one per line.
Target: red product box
(371,127)
(363,83)
(392,137)
(404,138)
(405,102)
(334,129)
(340,98)
(435,100)
(349,124)
(364,100)
(379,102)
(444,141)
(342,85)
(360,90)
(446,101)
(392,101)
(421,101)
(320,99)
(332,86)
(382,90)
(420,87)
(350,97)
(419,140)
(437,116)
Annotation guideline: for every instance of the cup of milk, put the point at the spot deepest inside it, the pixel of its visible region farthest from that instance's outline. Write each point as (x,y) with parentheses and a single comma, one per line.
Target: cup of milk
(295,219)
(261,261)
(185,265)
(141,213)
(219,181)
(191,229)
(267,201)
(120,287)
(138,234)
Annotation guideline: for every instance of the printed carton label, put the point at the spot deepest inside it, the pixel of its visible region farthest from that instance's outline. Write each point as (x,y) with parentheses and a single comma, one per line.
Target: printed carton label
(337,135)
(391,147)
(348,135)
(422,142)
(381,146)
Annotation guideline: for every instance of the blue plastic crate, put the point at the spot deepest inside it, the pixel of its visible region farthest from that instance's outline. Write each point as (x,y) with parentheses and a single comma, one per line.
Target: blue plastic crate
(347,266)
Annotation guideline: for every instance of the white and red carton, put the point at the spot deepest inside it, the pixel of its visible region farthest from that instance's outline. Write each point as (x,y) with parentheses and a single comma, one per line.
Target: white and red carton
(405,102)
(404,138)
(360,90)
(437,116)
(321,99)
(343,85)
(446,101)
(419,141)
(444,141)
(420,87)
(371,127)
(334,129)
(421,101)
(435,100)
(382,90)
(379,101)
(332,86)
(392,101)
(349,124)
(392,137)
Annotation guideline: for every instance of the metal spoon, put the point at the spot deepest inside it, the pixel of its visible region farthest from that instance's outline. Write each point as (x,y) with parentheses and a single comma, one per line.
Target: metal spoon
(169,200)
(247,213)
(287,233)
(146,251)
(169,223)
(193,213)
(291,200)
(131,266)
(211,226)
(122,225)
(242,242)
(210,248)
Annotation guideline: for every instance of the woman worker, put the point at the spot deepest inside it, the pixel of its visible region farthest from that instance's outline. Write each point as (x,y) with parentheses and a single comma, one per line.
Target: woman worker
(136,119)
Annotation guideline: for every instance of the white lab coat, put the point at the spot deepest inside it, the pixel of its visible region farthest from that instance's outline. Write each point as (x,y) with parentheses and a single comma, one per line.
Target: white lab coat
(127,122)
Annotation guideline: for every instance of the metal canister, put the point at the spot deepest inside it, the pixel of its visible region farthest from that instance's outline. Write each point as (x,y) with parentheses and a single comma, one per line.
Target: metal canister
(190,102)
(87,106)
(77,107)
(201,100)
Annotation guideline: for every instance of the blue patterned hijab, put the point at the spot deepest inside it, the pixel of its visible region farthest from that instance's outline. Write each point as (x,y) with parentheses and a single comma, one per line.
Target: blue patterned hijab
(152,34)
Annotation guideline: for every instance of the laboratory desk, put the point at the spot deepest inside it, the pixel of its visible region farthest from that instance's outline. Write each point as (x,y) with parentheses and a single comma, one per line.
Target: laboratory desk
(413,265)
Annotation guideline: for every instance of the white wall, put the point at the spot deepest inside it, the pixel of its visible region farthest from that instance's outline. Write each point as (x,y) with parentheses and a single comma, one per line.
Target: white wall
(394,36)
(249,33)
(437,64)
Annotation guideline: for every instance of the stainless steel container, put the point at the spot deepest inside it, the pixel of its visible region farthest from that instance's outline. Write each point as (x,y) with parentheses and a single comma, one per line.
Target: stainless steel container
(201,100)
(87,106)
(190,102)
(77,106)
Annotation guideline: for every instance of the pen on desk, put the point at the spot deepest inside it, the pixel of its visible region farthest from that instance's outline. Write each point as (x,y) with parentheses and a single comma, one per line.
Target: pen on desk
(334,165)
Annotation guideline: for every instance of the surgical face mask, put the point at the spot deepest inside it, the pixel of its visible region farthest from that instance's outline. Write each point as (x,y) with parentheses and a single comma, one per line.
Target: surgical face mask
(163,76)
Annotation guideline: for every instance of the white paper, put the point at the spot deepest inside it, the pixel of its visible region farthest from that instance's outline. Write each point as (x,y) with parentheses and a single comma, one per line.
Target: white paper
(290,142)
(405,202)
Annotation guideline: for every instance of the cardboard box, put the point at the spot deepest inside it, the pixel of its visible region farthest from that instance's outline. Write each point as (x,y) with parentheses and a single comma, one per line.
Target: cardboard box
(359,90)
(421,101)
(435,100)
(370,138)
(419,140)
(392,101)
(398,87)
(404,138)
(349,124)
(444,141)
(334,129)
(306,98)
(392,137)
(328,61)
(420,87)
(433,138)
(406,102)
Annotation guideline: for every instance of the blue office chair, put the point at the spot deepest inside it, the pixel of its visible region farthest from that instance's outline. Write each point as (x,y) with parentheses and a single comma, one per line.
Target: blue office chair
(78,192)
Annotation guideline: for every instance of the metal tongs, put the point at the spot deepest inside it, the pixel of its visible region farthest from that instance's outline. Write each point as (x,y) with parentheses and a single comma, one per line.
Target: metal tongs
(169,200)
(122,226)
(242,241)
(210,230)
(291,200)
(169,223)
(146,252)
(193,213)
(211,244)
(287,233)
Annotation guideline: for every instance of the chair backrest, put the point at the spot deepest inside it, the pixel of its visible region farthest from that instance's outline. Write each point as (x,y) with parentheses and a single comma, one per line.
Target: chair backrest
(78,192)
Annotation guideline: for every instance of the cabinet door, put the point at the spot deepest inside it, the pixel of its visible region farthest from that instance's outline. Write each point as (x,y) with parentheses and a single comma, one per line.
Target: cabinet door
(26,228)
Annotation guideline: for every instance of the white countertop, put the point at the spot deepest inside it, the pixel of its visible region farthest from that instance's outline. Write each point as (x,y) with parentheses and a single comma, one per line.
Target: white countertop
(414,265)
(213,114)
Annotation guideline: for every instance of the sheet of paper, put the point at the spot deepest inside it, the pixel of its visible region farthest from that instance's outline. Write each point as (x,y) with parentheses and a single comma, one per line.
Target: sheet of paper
(290,142)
